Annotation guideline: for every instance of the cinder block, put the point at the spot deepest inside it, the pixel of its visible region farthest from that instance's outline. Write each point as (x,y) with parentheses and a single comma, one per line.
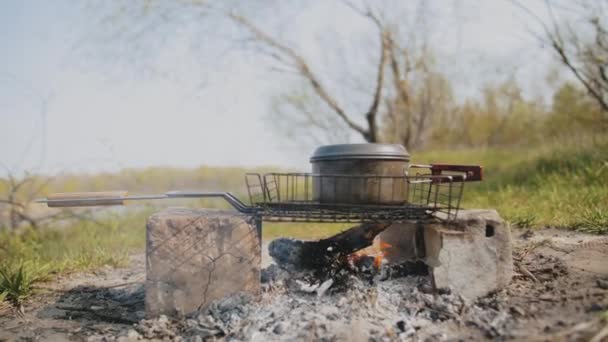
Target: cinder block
(472,256)
(194,256)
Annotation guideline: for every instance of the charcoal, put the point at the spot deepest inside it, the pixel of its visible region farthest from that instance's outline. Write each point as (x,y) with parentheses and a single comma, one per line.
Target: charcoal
(407,268)
(319,255)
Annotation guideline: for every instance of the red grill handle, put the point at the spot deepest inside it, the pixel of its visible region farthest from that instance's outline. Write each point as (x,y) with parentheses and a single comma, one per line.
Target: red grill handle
(473,173)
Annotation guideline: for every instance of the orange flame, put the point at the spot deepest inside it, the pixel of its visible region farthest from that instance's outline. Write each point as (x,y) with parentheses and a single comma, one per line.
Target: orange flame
(383,246)
(378,251)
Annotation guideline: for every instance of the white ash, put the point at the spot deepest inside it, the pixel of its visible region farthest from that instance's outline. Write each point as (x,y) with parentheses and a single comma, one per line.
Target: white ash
(402,308)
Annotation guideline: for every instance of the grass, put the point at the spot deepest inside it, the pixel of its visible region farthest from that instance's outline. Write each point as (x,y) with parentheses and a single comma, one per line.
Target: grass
(31,256)
(16,282)
(557,186)
(81,245)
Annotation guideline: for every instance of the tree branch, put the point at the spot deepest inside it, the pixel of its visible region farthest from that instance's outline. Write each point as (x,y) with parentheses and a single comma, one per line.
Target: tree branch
(553,34)
(372,112)
(304,70)
(403,96)
(12,203)
(567,62)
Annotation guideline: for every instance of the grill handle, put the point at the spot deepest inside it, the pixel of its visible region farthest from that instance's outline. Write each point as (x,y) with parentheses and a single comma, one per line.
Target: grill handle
(108,198)
(472,173)
(85,199)
(459,173)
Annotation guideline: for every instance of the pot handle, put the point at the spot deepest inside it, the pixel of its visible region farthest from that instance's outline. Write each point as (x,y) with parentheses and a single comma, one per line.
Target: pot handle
(458,173)
(470,173)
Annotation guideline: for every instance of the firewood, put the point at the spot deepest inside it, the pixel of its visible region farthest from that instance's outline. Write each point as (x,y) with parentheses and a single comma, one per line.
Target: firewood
(292,254)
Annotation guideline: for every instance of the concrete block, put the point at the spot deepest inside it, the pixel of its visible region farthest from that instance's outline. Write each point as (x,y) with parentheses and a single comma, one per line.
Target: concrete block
(195,256)
(472,256)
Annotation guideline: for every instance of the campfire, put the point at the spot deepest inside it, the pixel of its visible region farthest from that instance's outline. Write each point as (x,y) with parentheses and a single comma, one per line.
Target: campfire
(407,223)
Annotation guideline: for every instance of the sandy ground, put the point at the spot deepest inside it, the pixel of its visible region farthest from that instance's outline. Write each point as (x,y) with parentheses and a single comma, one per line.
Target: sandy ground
(558,292)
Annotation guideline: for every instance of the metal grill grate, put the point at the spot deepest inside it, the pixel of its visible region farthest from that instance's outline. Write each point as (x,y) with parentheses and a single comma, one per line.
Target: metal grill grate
(306,197)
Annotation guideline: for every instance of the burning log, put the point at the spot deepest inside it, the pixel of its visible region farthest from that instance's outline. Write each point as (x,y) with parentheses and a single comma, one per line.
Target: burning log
(295,255)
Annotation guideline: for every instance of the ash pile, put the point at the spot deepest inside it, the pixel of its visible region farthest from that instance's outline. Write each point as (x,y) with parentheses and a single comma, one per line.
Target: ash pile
(351,298)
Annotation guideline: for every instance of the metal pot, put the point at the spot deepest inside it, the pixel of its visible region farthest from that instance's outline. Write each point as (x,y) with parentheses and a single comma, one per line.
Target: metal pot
(360,174)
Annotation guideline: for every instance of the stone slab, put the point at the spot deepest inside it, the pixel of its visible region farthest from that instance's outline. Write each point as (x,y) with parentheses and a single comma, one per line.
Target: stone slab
(472,256)
(195,256)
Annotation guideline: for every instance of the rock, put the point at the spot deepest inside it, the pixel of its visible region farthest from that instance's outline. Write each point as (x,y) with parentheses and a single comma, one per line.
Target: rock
(306,287)
(472,255)
(602,284)
(401,325)
(518,310)
(194,256)
(133,334)
(130,336)
(201,332)
(279,328)
(330,312)
(195,339)
(324,287)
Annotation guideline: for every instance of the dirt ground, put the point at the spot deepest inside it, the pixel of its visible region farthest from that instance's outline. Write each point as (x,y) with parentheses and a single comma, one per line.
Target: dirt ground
(559,292)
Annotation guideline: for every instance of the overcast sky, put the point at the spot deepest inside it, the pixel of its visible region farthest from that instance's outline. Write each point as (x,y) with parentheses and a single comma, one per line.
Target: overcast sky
(66,107)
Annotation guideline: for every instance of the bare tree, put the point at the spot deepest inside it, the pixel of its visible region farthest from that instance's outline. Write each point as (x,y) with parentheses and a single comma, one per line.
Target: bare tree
(406,91)
(19,191)
(290,58)
(398,91)
(15,208)
(17,200)
(580,41)
(422,94)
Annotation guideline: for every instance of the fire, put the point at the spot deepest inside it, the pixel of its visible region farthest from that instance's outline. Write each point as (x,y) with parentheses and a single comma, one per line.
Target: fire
(377,251)
(382,246)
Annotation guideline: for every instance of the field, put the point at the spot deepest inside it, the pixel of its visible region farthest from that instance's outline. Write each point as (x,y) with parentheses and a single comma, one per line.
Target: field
(550,186)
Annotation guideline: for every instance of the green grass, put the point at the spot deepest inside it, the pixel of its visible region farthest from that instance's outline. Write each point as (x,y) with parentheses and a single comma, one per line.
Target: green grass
(16,281)
(559,186)
(30,256)
(82,245)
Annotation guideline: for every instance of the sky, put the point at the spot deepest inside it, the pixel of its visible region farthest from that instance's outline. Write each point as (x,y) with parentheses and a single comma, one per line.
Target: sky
(72,100)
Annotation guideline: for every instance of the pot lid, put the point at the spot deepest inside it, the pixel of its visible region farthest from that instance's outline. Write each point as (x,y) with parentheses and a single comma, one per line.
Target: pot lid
(360,151)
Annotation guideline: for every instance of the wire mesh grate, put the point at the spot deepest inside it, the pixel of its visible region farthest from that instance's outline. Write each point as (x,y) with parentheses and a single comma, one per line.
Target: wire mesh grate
(307,197)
